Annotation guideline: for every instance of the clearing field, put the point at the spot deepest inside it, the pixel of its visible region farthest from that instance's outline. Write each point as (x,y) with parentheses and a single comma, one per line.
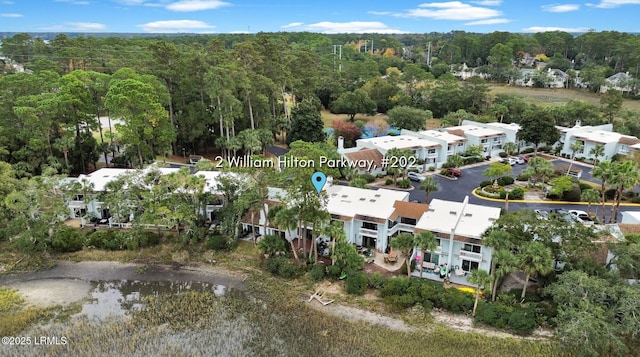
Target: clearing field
(557,96)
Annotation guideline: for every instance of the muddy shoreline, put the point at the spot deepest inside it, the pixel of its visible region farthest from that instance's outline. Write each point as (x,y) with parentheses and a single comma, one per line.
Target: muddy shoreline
(92,271)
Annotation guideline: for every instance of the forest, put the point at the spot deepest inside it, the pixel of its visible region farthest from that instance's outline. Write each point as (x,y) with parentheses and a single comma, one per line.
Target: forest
(238,94)
(235,92)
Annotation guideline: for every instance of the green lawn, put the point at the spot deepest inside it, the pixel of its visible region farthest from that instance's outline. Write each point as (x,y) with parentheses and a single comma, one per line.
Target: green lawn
(557,96)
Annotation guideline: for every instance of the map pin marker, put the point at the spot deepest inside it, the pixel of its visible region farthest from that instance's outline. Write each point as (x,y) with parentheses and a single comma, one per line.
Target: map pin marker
(318,180)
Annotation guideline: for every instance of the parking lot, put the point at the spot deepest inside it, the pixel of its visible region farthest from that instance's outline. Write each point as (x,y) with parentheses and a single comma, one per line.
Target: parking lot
(456,190)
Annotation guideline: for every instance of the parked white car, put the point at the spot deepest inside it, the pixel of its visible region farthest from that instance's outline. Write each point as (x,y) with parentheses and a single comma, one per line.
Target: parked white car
(414,176)
(581,216)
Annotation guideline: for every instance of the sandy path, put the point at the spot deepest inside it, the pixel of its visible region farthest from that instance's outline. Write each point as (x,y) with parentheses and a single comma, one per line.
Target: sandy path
(356,314)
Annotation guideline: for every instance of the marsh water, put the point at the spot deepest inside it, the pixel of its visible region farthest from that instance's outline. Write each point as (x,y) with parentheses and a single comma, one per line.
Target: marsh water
(120,297)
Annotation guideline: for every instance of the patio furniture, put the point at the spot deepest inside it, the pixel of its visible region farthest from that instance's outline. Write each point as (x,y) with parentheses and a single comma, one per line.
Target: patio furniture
(391,259)
(429,265)
(459,272)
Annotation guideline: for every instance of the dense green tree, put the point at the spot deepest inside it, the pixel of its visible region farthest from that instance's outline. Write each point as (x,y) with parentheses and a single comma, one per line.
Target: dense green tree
(306,124)
(500,66)
(146,124)
(537,127)
(611,103)
(352,103)
(496,169)
(403,117)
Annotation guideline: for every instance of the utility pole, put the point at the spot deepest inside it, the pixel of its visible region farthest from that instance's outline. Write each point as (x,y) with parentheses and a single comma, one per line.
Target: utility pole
(371,46)
(429,54)
(338,49)
(365,46)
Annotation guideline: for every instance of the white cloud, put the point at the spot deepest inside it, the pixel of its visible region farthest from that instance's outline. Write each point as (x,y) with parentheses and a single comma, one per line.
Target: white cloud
(196,5)
(77,27)
(75,2)
(8,2)
(176,26)
(607,4)
(560,7)
(132,2)
(488,22)
(488,2)
(11,15)
(551,28)
(382,13)
(86,26)
(350,27)
(293,24)
(452,10)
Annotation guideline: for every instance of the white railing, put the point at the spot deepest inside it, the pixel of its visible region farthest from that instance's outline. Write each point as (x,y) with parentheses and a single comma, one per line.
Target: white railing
(77,204)
(471,255)
(438,250)
(368,232)
(400,227)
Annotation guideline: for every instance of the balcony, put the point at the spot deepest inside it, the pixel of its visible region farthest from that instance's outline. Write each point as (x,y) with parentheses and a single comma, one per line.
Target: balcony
(368,232)
(77,204)
(403,227)
(432,155)
(476,257)
(438,250)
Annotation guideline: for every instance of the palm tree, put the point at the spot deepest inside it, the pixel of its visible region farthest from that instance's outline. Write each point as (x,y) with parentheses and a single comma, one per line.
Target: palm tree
(429,185)
(480,278)
(510,148)
(596,151)
(577,146)
(506,263)
(425,241)
(538,168)
(286,219)
(605,172)
(535,258)
(455,160)
(404,243)
(498,240)
(334,230)
(590,196)
(625,176)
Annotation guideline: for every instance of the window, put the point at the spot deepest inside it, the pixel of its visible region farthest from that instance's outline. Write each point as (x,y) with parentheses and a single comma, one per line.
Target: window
(410,221)
(369,225)
(471,248)
(469,265)
(484,141)
(431,151)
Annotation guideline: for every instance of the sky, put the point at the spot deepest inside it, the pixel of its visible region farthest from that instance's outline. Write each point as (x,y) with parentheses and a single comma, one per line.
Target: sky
(322,16)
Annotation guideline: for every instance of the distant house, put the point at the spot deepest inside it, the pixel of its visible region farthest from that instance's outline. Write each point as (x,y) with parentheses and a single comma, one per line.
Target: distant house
(458,227)
(465,72)
(548,78)
(619,81)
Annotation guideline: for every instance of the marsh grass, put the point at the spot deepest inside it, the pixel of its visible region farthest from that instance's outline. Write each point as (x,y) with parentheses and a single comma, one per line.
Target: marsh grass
(201,324)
